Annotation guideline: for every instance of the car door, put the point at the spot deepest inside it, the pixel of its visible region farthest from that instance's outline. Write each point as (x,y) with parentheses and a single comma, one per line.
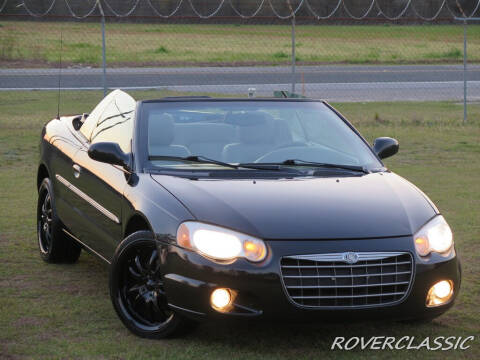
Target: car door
(60,156)
(101,189)
(100,186)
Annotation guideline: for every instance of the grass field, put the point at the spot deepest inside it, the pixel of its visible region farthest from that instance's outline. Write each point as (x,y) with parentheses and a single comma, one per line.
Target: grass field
(36,44)
(64,311)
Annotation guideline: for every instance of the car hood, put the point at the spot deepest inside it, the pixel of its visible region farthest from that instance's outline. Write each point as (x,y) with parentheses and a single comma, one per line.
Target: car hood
(370,206)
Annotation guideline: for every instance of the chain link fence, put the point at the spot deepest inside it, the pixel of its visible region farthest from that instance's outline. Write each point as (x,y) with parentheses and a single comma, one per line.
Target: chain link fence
(338,50)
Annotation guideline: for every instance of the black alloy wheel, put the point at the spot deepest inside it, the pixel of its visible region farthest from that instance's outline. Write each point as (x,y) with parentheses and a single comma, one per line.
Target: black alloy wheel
(45,219)
(137,290)
(54,244)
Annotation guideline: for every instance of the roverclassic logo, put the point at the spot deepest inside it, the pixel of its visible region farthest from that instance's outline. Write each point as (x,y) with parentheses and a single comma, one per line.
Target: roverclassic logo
(350,257)
(443,343)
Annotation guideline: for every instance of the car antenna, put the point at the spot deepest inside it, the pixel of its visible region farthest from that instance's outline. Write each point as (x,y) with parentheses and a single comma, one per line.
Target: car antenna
(60,74)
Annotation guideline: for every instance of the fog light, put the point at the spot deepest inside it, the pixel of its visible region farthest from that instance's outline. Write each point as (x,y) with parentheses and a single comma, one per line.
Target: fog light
(221,299)
(440,293)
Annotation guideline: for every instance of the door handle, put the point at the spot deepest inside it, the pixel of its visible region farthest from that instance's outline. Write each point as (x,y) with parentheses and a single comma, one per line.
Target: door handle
(76,170)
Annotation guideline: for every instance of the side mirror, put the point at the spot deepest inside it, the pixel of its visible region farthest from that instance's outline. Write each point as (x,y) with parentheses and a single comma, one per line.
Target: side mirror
(108,152)
(385,147)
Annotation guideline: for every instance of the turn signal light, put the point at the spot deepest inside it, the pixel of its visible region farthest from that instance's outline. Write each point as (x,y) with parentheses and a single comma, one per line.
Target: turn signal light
(254,250)
(422,246)
(183,236)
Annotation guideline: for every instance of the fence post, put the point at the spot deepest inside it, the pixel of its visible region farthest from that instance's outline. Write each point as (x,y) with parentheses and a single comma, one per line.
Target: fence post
(104,57)
(464,71)
(465,19)
(293,54)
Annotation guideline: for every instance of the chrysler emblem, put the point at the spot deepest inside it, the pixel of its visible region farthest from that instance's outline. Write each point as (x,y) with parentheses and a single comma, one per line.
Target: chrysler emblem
(350,257)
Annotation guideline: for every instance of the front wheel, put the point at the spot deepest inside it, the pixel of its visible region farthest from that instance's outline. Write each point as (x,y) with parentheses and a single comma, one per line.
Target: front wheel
(54,245)
(137,291)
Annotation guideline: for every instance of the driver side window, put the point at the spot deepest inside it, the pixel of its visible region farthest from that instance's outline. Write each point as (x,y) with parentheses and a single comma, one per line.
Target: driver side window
(114,125)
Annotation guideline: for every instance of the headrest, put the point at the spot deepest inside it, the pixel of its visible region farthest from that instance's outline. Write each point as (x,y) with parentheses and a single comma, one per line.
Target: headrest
(160,129)
(203,132)
(254,127)
(246,118)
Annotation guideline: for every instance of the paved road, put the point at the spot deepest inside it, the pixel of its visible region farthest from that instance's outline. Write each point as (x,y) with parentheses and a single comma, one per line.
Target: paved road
(334,83)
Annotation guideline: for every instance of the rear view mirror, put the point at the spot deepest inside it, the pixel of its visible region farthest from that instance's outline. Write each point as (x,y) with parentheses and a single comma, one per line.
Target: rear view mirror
(385,147)
(108,152)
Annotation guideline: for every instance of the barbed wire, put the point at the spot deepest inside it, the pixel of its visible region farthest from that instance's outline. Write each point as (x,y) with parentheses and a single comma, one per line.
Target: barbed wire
(347,11)
(375,3)
(31,13)
(461,11)
(3,5)
(291,13)
(81,17)
(429,18)
(201,16)
(476,9)
(255,13)
(318,17)
(180,2)
(395,17)
(128,13)
(449,9)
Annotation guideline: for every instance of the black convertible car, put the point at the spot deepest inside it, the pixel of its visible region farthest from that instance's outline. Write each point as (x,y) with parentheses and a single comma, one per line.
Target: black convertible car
(240,208)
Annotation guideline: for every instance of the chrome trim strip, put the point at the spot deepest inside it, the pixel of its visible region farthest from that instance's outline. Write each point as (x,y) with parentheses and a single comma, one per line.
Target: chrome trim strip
(347,296)
(342,266)
(186,310)
(88,247)
(343,276)
(346,286)
(88,199)
(362,256)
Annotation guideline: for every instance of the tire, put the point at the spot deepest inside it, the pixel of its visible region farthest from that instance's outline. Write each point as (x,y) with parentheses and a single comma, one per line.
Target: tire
(54,245)
(137,292)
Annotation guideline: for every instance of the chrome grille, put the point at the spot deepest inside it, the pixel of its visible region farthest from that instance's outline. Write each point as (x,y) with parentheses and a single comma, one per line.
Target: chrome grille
(328,280)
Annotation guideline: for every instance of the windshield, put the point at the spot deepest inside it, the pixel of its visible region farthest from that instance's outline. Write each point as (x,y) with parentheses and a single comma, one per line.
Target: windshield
(249,132)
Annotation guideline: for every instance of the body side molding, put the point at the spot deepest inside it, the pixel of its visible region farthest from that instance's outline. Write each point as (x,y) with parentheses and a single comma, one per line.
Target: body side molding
(88,199)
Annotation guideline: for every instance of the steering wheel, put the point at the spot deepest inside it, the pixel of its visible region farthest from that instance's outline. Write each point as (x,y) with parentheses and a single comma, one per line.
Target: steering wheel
(282,146)
(290,144)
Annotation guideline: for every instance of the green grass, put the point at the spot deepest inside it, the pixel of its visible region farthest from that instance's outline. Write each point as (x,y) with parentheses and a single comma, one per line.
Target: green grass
(64,311)
(38,44)
(161,50)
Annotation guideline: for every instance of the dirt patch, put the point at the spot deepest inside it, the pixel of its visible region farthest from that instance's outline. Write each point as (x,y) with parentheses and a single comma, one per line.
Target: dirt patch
(7,356)
(4,351)
(3,239)
(19,282)
(28,321)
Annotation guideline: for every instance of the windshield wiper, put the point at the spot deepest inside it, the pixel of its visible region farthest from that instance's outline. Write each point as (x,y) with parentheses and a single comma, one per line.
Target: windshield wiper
(193,158)
(326,165)
(205,160)
(297,162)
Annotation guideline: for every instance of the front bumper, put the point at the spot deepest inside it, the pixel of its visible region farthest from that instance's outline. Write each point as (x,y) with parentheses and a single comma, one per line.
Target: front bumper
(190,278)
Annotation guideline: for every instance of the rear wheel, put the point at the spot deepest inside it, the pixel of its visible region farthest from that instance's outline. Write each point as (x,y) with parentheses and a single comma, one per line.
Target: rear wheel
(137,291)
(55,246)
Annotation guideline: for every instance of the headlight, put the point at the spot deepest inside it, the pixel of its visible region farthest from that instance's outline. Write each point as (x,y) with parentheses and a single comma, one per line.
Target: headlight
(219,243)
(435,236)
